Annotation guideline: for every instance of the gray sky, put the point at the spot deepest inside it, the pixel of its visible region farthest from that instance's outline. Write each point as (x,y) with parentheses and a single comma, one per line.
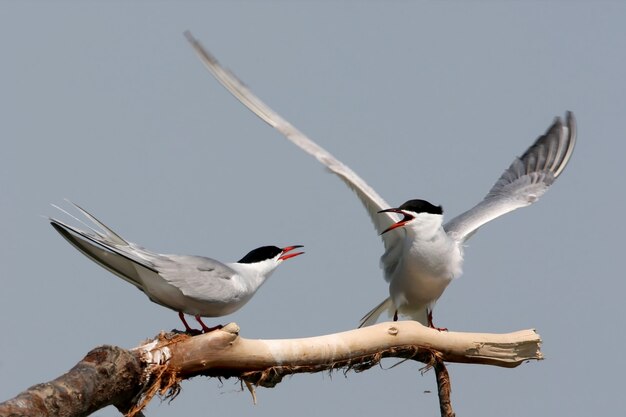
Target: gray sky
(106,104)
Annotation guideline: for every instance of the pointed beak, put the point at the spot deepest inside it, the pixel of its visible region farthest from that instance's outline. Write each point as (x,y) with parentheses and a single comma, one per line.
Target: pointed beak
(286,255)
(407,218)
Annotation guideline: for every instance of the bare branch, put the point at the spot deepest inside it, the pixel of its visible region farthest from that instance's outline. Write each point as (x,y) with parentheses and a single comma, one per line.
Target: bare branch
(129,379)
(265,362)
(108,375)
(443,388)
(223,352)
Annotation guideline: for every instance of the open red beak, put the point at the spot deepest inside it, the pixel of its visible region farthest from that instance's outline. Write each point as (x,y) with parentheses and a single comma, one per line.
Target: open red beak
(407,218)
(286,255)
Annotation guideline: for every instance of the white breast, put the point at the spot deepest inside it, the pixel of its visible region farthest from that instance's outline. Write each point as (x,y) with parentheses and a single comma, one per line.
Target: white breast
(426,268)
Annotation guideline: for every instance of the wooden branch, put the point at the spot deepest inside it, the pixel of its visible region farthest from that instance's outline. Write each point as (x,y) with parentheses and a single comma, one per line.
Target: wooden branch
(160,365)
(108,375)
(224,353)
(443,388)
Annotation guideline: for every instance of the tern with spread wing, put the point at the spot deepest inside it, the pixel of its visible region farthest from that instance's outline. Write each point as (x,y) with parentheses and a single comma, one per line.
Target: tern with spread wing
(195,285)
(422,254)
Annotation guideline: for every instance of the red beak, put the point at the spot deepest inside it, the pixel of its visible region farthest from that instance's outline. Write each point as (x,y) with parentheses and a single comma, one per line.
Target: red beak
(286,255)
(407,218)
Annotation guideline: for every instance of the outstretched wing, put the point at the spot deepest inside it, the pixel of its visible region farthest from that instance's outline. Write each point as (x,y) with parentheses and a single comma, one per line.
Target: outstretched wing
(370,198)
(528,177)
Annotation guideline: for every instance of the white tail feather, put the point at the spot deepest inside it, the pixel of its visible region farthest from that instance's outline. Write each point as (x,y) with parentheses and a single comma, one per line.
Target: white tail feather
(110,234)
(372,316)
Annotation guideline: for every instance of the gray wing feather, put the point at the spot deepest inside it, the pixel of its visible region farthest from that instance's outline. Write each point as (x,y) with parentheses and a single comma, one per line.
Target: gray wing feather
(161,277)
(109,257)
(369,198)
(528,177)
(196,276)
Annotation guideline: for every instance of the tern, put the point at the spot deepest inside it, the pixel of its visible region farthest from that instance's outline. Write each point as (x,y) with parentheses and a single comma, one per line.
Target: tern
(195,285)
(422,254)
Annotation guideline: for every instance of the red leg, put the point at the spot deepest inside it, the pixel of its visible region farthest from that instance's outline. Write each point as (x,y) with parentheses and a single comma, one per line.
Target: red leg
(432,326)
(206,329)
(187,328)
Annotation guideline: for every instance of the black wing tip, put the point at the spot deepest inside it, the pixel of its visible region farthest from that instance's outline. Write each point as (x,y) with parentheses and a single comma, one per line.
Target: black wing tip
(67,232)
(58,225)
(71,235)
(565,134)
(570,123)
(190,38)
(570,139)
(200,50)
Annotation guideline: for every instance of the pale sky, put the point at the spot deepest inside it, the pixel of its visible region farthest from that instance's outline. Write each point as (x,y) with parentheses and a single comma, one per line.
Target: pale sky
(107,105)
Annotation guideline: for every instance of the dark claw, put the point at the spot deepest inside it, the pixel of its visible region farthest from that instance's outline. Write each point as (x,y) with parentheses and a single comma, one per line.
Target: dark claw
(193,332)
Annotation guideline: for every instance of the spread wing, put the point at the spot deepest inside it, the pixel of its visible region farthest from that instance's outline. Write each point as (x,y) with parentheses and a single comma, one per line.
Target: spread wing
(370,198)
(528,177)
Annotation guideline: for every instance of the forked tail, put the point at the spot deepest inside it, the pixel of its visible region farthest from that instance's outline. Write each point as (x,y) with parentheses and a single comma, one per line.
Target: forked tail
(372,316)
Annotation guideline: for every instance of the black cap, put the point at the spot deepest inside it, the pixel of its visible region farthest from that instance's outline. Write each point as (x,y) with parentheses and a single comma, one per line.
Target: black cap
(421,206)
(260,254)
